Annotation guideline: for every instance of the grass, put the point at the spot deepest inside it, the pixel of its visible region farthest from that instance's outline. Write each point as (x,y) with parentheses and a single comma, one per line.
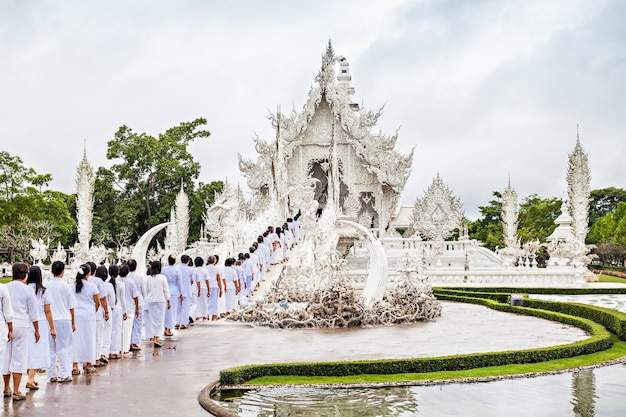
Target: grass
(4,280)
(617,351)
(610,278)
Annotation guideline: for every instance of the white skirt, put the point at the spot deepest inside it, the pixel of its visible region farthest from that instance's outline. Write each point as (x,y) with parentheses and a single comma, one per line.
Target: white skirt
(85,341)
(39,353)
(157,317)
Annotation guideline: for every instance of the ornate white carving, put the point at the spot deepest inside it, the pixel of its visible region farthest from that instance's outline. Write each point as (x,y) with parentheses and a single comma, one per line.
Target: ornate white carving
(510,213)
(85,182)
(438,213)
(578,180)
(182,220)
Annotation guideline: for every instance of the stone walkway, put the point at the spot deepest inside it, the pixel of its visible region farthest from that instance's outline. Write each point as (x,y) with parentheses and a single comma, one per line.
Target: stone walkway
(167,381)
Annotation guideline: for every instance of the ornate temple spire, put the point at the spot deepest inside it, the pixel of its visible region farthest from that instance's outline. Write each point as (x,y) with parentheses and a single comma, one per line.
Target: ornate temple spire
(510,212)
(84,200)
(578,191)
(182,219)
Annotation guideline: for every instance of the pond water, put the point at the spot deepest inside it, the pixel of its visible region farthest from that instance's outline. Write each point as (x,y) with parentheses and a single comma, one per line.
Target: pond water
(599,392)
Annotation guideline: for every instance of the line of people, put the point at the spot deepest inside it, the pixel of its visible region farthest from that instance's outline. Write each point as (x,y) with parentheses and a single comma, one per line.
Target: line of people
(103,314)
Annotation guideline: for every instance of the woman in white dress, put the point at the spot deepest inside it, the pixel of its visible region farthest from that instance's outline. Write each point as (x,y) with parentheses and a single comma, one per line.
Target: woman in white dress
(231,285)
(215,288)
(107,324)
(87,304)
(118,305)
(201,277)
(157,297)
(277,246)
(39,352)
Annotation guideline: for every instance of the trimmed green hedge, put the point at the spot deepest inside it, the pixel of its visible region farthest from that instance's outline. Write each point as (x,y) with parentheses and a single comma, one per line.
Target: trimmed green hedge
(600,340)
(613,320)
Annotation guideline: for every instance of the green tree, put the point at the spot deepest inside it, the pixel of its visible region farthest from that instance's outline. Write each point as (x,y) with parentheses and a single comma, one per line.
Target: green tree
(27,212)
(147,177)
(199,200)
(488,229)
(537,216)
(603,202)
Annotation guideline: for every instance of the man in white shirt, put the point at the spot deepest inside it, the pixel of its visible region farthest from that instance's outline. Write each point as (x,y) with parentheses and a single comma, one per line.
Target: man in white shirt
(143,317)
(62,306)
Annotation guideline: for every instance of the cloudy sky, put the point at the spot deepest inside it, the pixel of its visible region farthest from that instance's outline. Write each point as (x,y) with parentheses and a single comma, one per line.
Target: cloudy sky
(481,89)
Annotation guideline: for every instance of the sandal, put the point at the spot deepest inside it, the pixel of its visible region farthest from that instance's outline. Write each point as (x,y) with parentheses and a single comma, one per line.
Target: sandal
(157,344)
(7,394)
(90,370)
(53,380)
(32,386)
(64,380)
(18,397)
(75,372)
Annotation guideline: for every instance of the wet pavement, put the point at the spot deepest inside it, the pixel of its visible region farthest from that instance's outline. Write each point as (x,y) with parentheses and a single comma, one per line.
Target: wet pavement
(167,381)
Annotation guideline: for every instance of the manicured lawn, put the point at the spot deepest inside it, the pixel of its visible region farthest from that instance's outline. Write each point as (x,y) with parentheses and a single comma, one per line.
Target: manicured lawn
(610,278)
(617,351)
(4,280)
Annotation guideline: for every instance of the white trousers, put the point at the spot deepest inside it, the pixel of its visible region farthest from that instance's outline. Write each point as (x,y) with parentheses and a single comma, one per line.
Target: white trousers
(61,347)
(107,334)
(116,332)
(127,328)
(16,355)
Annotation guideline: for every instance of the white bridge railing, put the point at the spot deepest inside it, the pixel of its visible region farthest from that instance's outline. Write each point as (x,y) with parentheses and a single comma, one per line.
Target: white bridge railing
(538,277)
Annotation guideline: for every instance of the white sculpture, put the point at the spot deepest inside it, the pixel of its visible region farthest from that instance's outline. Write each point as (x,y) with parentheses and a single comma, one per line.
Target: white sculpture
(39,252)
(510,212)
(85,181)
(438,213)
(181,220)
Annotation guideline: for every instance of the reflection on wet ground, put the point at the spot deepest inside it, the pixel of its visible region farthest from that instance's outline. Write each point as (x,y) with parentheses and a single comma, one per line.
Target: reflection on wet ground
(168,381)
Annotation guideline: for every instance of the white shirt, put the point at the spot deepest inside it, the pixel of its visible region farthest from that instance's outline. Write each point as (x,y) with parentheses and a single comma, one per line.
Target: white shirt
(130,290)
(156,289)
(85,304)
(63,299)
(6,308)
(43,298)
(213,272)
(24,303)
(201,275)
(230,276)
(139,282)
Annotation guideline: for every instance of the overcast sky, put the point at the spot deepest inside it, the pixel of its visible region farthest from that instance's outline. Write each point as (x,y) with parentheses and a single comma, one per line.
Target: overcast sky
(481,89)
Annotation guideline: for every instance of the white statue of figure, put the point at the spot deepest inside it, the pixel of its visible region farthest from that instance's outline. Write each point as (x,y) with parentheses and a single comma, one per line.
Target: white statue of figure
(59,254)
(39,252)
(510,213)
(224,210)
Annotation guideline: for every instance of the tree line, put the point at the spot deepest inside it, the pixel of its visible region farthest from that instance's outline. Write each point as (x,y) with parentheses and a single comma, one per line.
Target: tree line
(140,187)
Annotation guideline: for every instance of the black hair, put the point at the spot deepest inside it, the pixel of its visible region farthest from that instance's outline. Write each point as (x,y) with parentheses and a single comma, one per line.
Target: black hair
(102,273)
(35,277)
(19,270)
(185,259)
(229,262)
(252,249)
(92,265)
(124,270)
(198,261)
(57,267)
(171,260)
(83,271)
(155,267)
(132,265)
(114,271)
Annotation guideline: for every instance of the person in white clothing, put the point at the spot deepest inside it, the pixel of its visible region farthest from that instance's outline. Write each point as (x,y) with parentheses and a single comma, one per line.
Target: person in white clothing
(102,311)
(174,283)
(6,321)
(87,305)
(25,312)
(62,306)
(118,306)
(39,352)
(106,288)
(157,297)
(141,320)
(215,291)
(132,307)
(202,288)
(231,284)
